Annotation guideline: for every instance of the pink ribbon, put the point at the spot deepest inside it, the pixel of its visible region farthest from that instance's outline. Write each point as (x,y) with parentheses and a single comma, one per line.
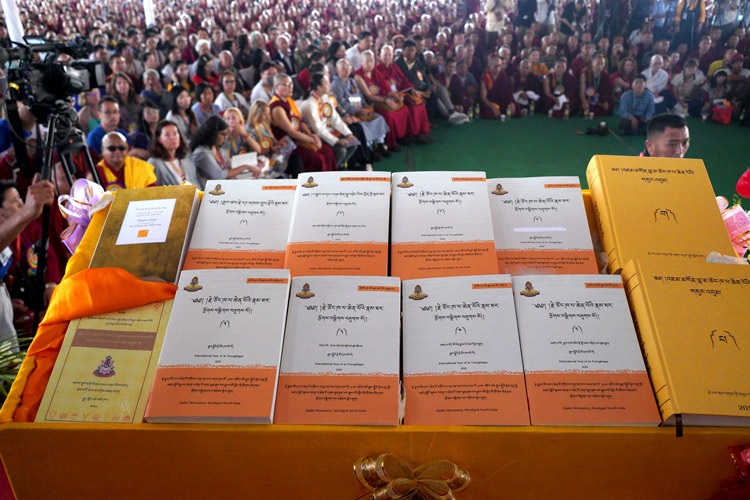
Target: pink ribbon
(78,207)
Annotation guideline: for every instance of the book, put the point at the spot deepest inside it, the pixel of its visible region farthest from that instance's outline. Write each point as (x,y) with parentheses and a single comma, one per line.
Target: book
(540,226)
(147,231)
(222,348)
(105,368)
(580,352)
(461,354)
(655,207)
(441,225)
(244,159)
(695,337)
(340,362)
(242,224)
(340,225)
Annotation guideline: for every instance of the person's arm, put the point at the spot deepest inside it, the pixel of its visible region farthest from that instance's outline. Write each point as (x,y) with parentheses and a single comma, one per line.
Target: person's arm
(317,125)
(39,194)
(279,118)
(582,92)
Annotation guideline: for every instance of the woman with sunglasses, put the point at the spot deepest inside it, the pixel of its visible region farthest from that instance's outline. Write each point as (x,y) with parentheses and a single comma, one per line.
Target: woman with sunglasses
(210,159)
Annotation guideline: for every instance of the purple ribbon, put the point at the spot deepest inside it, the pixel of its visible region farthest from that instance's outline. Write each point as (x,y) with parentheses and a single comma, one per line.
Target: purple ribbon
(77,208)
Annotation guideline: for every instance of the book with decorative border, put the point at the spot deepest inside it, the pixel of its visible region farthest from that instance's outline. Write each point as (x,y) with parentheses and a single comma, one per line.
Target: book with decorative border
(106,365)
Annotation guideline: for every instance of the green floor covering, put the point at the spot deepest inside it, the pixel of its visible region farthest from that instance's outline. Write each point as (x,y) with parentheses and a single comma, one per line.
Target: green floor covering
(537,145)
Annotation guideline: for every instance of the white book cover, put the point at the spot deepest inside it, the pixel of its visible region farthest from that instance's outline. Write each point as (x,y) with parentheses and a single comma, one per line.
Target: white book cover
(222,348)
(462,356)
(340,225)
(441,225)
(242,224)
(540,226)
(340,362)
(580,352)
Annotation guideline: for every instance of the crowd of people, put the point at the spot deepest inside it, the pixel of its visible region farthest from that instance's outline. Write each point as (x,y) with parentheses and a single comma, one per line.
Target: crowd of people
(319,86)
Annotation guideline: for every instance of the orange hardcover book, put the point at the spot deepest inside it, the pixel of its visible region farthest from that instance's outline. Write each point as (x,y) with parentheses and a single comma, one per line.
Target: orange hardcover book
(693,327)
(441,225)
(655,207)
(340,363)
(462,357)
(580,352)
(147,231)
(106,366)
(221,353)
(340,225)
(540,226)
(242,224)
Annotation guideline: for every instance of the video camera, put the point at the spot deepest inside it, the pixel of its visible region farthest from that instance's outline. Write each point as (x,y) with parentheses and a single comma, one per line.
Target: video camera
(36,77)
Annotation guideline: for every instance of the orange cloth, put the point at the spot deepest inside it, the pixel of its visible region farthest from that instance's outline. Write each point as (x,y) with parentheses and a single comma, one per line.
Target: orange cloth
(90,292)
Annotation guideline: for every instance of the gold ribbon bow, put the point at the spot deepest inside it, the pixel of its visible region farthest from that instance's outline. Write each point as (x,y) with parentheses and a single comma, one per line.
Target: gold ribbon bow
(390,478)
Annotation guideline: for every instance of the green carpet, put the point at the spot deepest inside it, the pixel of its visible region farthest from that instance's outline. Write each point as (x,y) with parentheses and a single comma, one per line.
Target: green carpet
(537,145)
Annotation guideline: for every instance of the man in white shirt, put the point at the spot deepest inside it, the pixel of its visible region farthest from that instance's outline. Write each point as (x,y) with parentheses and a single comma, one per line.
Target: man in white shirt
(656,82)
(364,43)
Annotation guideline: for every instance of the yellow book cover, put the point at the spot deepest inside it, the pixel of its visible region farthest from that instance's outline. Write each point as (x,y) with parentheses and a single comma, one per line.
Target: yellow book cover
(106,367)
(655,207)
(147,230)
(695,337)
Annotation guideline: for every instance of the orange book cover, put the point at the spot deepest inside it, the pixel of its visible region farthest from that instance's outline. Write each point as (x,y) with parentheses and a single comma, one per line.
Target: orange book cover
(655,207)
(461,353)
(242,224)
(147,231)
(105,368)
(540,226)
(693,327)
(441,225)
(580,352)
(340,225)
(222,349)
(340,363)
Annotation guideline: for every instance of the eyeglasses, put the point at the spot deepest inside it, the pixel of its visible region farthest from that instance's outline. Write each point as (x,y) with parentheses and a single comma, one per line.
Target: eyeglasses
(112,149)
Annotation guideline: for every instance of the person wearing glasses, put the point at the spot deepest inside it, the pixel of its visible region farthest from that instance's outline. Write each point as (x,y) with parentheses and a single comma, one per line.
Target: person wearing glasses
(211,161)
(118,169)
(109,114)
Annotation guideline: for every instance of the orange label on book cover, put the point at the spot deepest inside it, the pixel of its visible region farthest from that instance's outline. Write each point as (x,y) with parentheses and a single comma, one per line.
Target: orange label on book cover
(226,392)
(591,398)
(278,188)
(143,233)
(267,281)
(468,179)
(430,260)
(533,261)
(370,288)
(562,186)
(604,285)
(233,259)
(482,286)
(364,179)
(347,259)
(337,399)
(470,399)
